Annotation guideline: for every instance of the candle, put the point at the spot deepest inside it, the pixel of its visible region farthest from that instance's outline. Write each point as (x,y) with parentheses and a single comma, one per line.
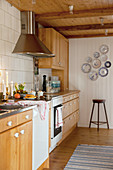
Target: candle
(11,88)
(3,88)
(6,79)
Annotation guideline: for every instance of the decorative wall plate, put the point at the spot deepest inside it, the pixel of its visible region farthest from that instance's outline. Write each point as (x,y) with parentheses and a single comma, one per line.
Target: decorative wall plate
(104,49)
(96,54)
(89,59)
(107,64)
(96,63)
(86,68)
(104,57)
(93,75)
(103,71)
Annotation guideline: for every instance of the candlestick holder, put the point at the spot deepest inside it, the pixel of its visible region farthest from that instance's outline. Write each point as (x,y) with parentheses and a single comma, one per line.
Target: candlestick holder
(7,93)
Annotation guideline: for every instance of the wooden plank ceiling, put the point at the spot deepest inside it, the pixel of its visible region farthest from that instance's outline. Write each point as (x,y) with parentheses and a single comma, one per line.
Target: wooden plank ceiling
(86,20)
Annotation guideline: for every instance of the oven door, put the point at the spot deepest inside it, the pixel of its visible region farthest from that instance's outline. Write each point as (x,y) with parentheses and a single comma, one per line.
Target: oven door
(59,129)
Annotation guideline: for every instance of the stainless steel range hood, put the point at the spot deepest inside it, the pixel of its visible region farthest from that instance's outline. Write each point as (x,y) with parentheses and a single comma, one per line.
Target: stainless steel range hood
(28,43)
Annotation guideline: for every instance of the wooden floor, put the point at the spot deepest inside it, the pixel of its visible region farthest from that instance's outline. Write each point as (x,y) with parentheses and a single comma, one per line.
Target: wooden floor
(61,154)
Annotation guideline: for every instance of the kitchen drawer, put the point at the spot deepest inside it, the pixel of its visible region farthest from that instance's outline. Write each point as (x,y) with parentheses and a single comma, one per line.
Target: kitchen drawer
(69,122)
(25,116)
(65,110)
(77,116)
(75,104)
(67,98)
(8,123)
(76,95)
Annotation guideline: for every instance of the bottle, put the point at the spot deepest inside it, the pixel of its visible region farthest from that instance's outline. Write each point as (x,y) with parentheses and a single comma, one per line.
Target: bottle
(44,83)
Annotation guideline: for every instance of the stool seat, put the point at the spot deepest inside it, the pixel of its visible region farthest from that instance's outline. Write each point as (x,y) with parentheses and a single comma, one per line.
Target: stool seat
(99,100)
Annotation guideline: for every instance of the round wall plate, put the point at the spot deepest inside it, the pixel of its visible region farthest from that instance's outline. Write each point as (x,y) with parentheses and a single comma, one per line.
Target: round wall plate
(104,57)
(86,68)
(96,63)
(104,49)
(103,71)
(89,59)
(96,54)
(93,75)
(107,64)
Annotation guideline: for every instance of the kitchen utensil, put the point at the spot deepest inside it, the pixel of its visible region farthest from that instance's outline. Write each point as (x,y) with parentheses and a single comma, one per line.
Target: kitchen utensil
(107,64)
(89,59)
(104,57)
(103,71)
(96,54)
(96,63)
(104,49)
(86,68)
(93,75)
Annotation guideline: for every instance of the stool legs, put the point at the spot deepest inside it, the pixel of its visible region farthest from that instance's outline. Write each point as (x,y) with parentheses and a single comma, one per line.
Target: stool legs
(106,115)
(91,115)
(98,118)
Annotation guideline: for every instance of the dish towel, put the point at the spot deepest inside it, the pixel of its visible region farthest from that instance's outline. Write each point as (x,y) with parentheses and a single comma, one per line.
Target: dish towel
(42,107)
(58,118)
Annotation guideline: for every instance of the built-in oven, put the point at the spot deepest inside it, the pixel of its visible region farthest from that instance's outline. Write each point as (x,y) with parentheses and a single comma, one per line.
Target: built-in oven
(56,133)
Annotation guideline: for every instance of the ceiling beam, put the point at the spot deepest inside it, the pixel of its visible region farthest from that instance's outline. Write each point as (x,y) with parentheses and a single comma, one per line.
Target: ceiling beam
(88,35)
(76,14)
(85,27)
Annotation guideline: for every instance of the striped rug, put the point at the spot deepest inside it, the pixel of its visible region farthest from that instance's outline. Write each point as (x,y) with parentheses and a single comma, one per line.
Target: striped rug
(92,157)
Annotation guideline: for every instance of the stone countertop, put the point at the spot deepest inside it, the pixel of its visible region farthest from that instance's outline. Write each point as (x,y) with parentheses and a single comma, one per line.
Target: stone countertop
(25,108)
(64,93)
(15,111)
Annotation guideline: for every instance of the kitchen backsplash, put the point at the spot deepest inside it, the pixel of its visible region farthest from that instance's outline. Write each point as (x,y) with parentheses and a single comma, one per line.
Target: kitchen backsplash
(20,68)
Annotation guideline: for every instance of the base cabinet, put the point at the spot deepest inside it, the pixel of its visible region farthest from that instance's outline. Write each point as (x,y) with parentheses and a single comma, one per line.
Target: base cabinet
(16,147)
(70,113)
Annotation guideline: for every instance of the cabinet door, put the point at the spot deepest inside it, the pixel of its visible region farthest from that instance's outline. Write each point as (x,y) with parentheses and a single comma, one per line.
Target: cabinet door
(62,52)
(25,146)
(55,48)
(45,35)
(9,150)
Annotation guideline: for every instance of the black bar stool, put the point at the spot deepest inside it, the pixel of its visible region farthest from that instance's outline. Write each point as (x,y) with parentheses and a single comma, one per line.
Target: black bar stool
(98,101)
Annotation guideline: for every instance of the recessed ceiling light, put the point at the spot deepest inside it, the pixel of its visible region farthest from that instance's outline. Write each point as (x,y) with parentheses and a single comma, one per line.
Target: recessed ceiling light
(102,21)
(33,1)
(106,32)
(71,9)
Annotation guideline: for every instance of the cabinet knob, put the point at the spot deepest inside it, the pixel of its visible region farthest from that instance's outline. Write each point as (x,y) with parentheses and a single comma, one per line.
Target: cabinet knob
(9,123)
(22,132)
(59,63)
(70,104)
(16,135)
(27,116)
(74,102)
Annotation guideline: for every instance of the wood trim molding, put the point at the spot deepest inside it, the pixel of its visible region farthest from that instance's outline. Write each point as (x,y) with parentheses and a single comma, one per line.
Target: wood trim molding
(89,35)
(76,14)
(85,27)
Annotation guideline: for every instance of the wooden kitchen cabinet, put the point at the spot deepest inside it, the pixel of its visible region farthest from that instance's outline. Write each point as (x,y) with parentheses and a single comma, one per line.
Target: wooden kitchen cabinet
(56,43)
(16,144)
(70,113)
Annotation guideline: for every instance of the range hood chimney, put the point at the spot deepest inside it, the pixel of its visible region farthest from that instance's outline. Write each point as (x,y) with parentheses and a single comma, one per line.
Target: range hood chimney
(28,43)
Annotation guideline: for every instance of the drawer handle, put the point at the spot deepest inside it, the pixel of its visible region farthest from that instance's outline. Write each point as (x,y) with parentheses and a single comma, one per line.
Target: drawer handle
(27,116)
(22,132)
(70,104)
(74,96)
(74,102)
(16,135)
(9,123)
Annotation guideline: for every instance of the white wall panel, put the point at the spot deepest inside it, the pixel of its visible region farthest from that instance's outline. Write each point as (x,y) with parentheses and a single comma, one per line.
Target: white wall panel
(79,50)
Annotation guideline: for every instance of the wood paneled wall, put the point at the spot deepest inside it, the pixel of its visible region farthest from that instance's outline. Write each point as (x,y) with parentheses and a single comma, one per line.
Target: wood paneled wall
(79,50)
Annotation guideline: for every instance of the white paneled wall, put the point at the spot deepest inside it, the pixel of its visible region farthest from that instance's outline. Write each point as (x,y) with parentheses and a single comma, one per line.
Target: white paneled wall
(79,50)
(20,68)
